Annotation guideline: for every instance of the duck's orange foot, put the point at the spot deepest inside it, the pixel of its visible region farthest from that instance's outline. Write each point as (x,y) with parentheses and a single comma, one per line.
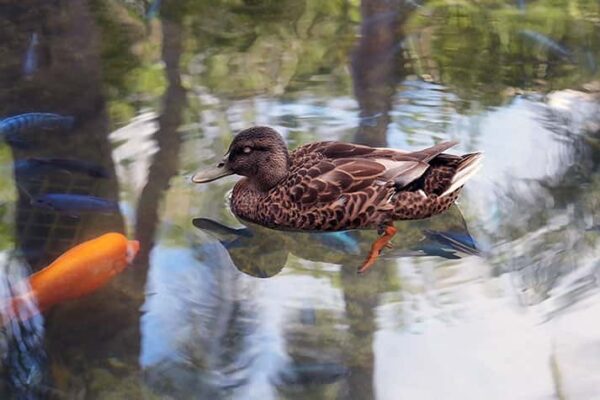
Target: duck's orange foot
(379,244)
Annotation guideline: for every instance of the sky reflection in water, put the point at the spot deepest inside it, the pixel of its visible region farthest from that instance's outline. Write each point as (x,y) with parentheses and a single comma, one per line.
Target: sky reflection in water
(495,299)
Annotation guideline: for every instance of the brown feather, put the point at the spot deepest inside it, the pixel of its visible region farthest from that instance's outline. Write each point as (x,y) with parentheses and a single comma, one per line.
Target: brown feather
(360,168)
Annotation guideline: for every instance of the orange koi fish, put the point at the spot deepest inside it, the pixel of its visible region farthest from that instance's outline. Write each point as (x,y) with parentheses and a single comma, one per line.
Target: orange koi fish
(79,272)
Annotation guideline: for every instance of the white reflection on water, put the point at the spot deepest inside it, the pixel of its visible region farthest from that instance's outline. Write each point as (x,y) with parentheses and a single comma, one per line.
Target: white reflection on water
(193,301)
(507,350)
(497,346)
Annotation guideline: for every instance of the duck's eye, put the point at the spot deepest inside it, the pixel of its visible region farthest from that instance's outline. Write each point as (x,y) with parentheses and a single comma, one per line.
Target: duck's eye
(247,150)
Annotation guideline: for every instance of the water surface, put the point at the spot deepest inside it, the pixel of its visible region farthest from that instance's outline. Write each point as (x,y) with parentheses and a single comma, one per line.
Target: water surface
(497,298)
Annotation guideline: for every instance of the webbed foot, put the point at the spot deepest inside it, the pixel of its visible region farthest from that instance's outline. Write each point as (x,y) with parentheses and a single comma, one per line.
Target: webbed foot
(378,245)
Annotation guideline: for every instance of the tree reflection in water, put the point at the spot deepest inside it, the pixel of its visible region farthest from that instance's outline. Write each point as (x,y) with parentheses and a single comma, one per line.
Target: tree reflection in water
(419,72)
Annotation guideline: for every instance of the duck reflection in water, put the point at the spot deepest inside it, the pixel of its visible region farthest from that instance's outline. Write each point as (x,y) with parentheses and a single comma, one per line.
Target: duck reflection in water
(262,252)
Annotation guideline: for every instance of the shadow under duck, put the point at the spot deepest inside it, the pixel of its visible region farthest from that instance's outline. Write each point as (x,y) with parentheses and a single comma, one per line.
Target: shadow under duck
(332,186)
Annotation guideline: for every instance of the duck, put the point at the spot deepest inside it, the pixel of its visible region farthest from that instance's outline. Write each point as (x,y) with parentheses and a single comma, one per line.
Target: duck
(332,186)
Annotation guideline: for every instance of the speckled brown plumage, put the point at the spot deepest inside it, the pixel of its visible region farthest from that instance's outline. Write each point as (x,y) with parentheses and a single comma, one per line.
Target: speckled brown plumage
(328,186)
(304,202)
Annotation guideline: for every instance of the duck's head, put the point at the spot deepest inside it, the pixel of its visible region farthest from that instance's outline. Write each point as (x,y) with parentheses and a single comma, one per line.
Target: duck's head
(258,153)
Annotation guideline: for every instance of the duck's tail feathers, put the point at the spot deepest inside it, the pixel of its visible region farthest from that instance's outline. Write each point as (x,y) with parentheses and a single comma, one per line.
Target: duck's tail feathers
(468,166)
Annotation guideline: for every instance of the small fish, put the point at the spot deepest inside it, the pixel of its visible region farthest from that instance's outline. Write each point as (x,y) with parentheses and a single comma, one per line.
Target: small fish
(23,122)
(74,203)
(38,164)
(30,61)
(451,245)
(546,42)
(424,250)
(342,240)
(457,241)
(77,273)
(218,228)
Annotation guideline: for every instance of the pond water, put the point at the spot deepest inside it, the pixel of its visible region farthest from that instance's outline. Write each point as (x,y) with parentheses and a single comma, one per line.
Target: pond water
(497,298)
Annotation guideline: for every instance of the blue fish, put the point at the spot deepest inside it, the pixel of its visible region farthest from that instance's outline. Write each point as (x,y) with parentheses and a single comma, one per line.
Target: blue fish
(37,165)
(30,62)
(23,122)
(214,226)
(74,203)
(342,240)
(455,241)
(450,245)
(546,42)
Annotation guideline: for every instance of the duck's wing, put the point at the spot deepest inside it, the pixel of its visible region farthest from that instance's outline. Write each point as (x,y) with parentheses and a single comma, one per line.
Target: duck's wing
(337,150)
(347,168)
(329,180)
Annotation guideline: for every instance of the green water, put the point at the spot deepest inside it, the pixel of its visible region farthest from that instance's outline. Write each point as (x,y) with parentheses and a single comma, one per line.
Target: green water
(495,299)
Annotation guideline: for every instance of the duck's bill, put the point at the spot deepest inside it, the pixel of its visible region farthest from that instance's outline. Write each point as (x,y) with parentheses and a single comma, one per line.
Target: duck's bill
(211,174)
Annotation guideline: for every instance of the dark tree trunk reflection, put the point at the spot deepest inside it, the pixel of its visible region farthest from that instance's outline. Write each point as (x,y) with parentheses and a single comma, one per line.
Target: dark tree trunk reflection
(375,73)
(67,80)
(374,65)
(166,161)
